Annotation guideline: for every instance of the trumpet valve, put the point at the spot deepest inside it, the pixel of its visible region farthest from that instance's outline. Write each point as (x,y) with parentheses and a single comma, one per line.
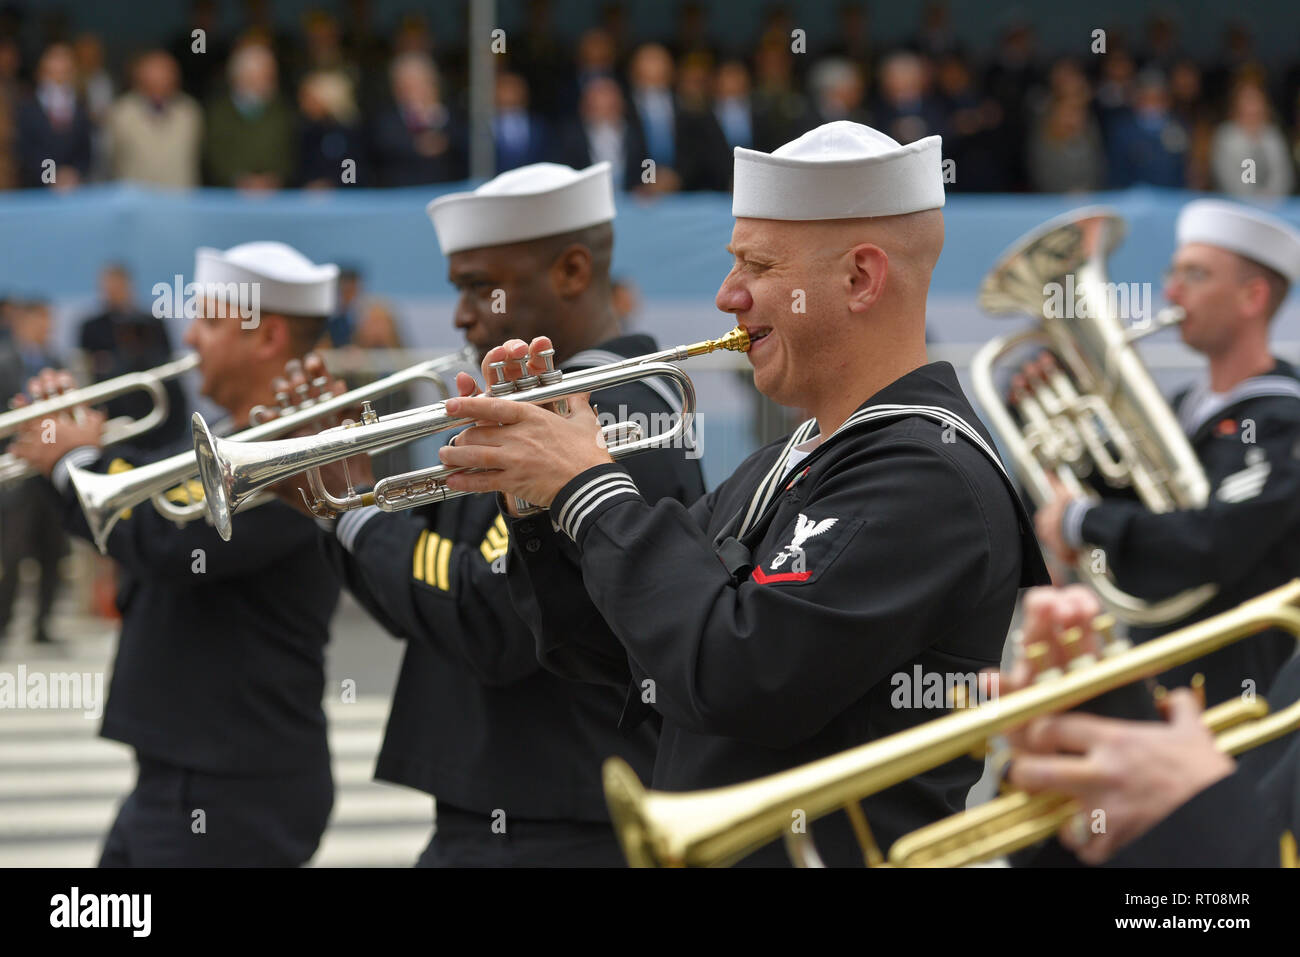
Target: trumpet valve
(368,414)
(502,386)
(526,379)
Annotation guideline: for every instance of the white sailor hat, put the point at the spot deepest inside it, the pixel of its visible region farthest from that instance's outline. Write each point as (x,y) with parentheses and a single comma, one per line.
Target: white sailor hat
(288,282)
(543,199)
(1242,230)
(839,170)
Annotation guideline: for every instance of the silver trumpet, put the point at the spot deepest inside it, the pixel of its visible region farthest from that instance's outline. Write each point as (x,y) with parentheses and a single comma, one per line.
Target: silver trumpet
(152,381)
(233,471)
(104,498)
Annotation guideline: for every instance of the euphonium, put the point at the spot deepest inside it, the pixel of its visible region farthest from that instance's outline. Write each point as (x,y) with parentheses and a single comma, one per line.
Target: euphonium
(104,498)
(152,381)
(1091,406)
(233,471)
(720,826)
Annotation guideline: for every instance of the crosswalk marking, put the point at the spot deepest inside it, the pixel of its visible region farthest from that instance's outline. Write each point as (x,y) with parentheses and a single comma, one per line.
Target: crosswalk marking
(60,786)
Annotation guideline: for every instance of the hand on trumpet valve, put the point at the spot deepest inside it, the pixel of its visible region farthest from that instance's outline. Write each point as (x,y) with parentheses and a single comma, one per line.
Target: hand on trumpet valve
(305,383)
(1125,775)
(517,447)
(42,442)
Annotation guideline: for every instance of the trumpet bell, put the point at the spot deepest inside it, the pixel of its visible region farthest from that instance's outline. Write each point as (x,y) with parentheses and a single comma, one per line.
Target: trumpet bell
(216,479)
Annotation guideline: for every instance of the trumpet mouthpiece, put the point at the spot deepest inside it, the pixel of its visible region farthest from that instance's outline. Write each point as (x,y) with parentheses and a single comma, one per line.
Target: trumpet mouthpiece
(737,340)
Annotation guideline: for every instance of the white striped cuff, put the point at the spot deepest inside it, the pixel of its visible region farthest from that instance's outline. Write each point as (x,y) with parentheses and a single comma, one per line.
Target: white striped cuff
(1072,522)
(609,487)
(81,456)
(348,525)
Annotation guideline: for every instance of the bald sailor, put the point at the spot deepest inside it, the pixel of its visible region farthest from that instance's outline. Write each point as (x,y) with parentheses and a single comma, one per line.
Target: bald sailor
(1231,272)
(219,673)
(511,752)
(805,605)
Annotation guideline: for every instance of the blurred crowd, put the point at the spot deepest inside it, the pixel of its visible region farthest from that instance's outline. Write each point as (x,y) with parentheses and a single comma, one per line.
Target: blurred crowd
(338,101)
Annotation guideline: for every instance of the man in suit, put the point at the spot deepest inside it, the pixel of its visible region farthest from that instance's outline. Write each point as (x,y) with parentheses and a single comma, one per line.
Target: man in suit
(54,129)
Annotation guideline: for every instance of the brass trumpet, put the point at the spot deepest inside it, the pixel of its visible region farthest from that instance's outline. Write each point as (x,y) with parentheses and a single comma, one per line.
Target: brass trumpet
(152,381)
(233,471)
(1094,406)
(719,826)
(104,498)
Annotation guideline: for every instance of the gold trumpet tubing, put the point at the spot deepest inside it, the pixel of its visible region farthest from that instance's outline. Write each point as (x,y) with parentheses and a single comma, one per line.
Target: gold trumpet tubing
(723,824)
(231,471)
(1016,819)
(104,498)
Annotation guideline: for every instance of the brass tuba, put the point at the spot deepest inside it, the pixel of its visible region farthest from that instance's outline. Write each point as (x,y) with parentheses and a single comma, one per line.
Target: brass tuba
(1089,405)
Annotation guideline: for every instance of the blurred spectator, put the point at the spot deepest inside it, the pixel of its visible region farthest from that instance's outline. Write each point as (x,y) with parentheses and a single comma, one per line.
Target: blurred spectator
(602,134)
(595,57)
(545,65)
(838,90)
(780,111)
(250,130)
(96,89)
(1115,87)
(322,49)
(1236,58)
(155,132)
(684,140)
(123,338)
(1065,151)
(1147,144)
(365,46)
(93,80)
(936,37)
(1194,113)
(519,135)
(10,98)
(1248,156)
(200,68)
(53,124)
(340,326)
(417,140)
(853,37)
(377,328)
(692,34)
(1013,72)
(329,132)
(731,104)
(973,132)
(906,111)
(30,517)
(1162,45)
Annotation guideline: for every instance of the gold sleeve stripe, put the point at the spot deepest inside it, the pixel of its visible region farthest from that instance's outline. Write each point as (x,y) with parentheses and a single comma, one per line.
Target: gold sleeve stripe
(430,550)
(417,559)
(1288,849)
(444,564)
